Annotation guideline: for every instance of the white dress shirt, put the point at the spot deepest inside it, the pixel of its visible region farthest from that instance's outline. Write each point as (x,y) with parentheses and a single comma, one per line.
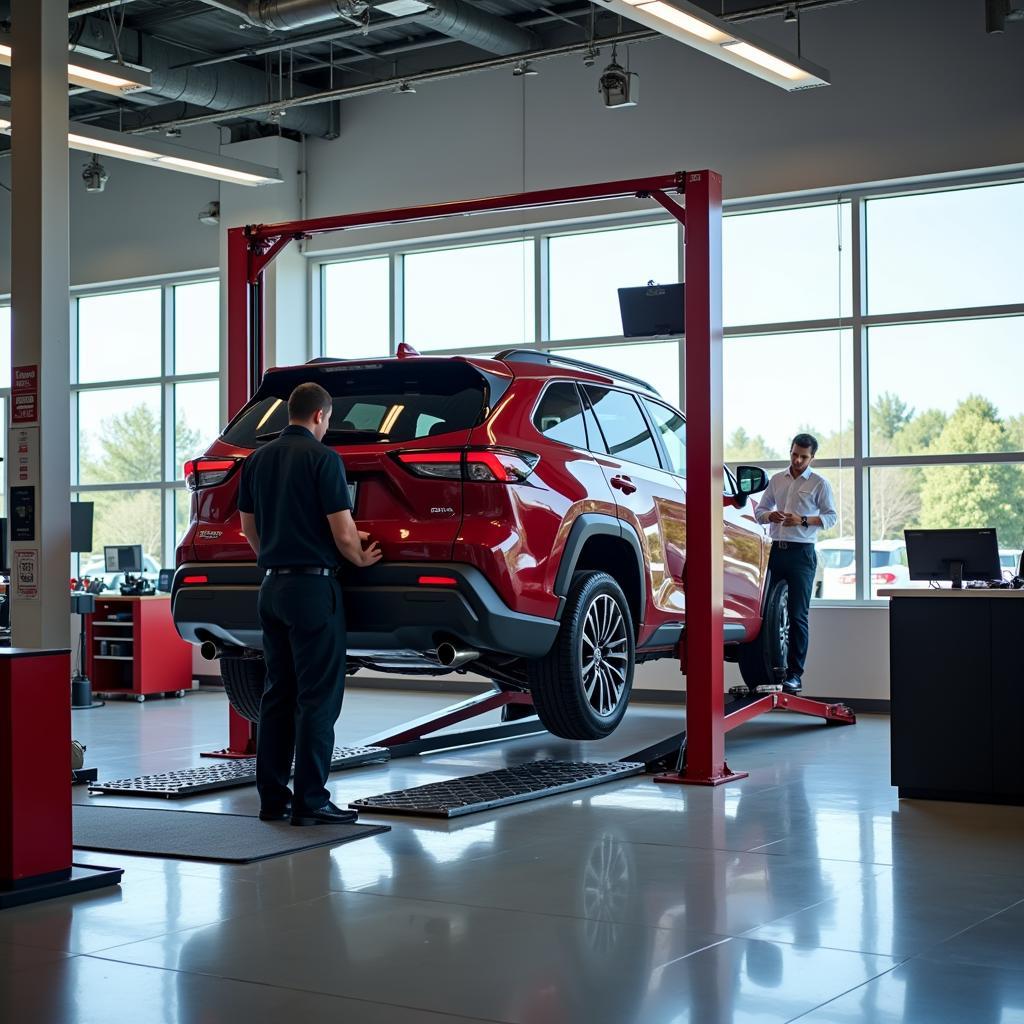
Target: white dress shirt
(806,495)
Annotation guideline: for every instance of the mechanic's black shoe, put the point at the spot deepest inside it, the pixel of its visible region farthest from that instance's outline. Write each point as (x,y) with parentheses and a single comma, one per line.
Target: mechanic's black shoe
(329,814)
(792,685)
(282,813)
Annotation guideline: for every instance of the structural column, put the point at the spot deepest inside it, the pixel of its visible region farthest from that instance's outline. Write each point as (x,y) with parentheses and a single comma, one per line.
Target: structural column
(39,460)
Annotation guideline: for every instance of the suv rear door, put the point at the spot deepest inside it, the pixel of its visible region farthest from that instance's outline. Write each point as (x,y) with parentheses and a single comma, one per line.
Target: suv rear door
(647,495)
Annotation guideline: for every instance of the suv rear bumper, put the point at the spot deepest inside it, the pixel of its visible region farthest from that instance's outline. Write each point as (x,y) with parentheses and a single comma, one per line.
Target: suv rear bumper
(388,611)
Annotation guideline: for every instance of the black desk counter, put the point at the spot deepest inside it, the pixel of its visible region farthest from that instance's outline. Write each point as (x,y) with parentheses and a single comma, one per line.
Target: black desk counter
(956,680)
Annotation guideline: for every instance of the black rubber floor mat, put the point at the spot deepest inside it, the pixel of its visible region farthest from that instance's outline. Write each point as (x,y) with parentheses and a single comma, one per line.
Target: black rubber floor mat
(495,789)
(221,775)
(196,835)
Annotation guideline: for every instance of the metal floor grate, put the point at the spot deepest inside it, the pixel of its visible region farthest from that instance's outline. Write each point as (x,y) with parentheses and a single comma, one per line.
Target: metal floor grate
(494,789)
(221,775)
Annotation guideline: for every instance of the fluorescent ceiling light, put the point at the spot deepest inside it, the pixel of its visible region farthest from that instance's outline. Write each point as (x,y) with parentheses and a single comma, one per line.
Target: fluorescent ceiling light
(91,72)
(689,23)
(142,149)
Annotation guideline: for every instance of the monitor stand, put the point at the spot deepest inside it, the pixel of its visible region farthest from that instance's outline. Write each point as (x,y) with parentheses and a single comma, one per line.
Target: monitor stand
(956,573)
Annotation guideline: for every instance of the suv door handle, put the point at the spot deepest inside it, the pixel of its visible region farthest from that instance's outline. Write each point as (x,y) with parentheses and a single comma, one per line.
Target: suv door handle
(624,484)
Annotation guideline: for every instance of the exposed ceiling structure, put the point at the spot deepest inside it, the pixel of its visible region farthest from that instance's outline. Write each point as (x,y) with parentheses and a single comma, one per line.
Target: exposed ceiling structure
(260,66)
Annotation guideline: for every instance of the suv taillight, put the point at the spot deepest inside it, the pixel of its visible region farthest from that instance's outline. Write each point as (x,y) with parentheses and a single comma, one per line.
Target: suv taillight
(487,465)
(208,472)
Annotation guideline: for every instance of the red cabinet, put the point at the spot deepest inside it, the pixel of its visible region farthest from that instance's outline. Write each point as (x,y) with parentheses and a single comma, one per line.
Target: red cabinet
(132,648)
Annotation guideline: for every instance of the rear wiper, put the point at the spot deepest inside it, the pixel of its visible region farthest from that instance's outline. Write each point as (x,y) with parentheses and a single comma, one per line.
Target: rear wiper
(264,438)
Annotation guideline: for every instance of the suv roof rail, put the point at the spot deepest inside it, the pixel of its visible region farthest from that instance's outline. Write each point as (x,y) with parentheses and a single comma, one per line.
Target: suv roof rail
(528,355)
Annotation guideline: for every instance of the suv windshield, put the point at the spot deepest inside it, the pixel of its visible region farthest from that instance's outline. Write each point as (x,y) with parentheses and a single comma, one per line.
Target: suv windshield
(387,401)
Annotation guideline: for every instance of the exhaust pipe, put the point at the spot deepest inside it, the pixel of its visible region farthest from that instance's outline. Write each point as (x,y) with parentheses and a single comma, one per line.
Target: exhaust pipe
(451,656)
(211,650)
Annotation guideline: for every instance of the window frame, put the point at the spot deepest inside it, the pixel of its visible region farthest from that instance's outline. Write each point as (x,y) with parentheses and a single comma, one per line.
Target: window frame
(167,486)
(861,461)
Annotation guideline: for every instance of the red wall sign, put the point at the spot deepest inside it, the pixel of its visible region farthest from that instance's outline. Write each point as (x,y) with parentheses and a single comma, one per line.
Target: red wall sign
(25,394)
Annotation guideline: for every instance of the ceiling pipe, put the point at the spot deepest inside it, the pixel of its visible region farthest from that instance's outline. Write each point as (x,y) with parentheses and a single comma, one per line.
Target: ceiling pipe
(77,10)
(456,19)
(391,84)
(218,89)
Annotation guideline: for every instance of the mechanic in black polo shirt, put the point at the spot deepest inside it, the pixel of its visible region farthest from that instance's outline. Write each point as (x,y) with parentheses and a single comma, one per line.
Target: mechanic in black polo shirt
(296,514)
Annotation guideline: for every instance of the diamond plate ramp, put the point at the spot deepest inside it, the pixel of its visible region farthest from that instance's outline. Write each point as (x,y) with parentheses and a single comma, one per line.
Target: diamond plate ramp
(495,789)
(221,775)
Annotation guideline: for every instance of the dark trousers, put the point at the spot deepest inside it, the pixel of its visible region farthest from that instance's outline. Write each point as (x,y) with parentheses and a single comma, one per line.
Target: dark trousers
(796,564)
(303,622)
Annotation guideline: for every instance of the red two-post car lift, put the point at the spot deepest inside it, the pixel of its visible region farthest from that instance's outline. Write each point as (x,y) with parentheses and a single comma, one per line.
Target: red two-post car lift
(695,200)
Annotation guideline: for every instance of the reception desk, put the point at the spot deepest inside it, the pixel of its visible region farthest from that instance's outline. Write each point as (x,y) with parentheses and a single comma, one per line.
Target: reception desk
(956,681)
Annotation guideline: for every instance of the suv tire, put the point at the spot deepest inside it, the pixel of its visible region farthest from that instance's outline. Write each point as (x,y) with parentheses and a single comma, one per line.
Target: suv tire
(763,661)
(244,680)
(579,697)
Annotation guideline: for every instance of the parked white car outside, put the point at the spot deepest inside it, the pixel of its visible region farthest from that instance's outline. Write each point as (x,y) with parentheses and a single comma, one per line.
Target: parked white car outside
(839,573)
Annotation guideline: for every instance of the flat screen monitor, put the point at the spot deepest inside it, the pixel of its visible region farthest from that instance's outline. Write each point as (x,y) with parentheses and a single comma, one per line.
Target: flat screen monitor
(5,565)
(81,526)
(955,555)
(122,558)
(651,311)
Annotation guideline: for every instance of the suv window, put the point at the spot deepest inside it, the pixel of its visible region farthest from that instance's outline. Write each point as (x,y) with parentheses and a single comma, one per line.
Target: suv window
(672,427)
(559,415)
(388,401)
(623,425)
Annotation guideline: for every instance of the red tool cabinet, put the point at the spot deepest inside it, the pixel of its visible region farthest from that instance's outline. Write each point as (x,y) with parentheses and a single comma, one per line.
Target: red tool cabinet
(133,649)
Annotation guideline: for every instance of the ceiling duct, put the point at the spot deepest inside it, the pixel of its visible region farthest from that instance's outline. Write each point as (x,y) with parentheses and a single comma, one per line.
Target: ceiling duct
(223,87)
(457,19)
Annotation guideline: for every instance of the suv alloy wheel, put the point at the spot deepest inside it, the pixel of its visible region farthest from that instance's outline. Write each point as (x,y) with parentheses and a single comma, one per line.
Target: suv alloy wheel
(582,686)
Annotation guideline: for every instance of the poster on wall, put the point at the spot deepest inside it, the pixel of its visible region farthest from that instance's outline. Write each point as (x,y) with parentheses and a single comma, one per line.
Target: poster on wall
(23,513)
(26,573)
(25,394)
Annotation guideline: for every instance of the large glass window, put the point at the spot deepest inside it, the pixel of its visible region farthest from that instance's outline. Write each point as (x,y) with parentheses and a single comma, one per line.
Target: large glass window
(585,271)
(779,385)
(786,265)
(197,327)
(356,308)
(120,336)
(481,295)
(946,250)
(945,388)
(129,439)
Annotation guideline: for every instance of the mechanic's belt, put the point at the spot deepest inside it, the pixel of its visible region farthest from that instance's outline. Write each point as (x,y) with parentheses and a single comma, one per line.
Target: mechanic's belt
(304,571)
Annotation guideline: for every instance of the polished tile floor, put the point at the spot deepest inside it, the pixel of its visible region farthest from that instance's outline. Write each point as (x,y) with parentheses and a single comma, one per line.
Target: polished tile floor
(805,892)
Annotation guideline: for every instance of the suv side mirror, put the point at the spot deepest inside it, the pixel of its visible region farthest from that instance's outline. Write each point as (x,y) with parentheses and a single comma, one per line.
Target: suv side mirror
(750,480)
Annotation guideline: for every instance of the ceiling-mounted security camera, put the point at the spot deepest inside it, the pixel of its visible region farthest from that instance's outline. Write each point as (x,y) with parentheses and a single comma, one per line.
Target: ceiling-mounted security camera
(211,214)
(95,176)
(619,87)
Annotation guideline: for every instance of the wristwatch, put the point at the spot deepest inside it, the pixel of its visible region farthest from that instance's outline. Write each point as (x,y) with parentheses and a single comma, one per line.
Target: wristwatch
(803,520)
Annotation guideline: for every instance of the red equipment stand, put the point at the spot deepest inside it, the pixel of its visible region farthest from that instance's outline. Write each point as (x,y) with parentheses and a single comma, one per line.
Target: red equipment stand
(671,756)
(694,199)
(35,781)
(241,739)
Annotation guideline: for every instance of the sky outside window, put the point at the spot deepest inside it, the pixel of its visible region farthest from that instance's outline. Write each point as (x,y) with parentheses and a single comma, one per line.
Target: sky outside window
(120,336)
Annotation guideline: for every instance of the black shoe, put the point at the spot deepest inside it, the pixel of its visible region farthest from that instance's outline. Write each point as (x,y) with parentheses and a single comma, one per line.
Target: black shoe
(792,685)
(329,814)
(276,813)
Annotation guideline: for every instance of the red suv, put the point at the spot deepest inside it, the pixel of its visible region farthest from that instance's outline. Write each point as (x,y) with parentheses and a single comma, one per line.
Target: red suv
(532,514)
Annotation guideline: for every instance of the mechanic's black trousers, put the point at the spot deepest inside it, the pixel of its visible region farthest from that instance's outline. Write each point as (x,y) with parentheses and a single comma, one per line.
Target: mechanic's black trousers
(796,563)
(303,622)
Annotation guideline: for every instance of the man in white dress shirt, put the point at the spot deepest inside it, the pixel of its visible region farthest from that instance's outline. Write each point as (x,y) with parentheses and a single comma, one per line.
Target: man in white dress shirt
(795,506)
